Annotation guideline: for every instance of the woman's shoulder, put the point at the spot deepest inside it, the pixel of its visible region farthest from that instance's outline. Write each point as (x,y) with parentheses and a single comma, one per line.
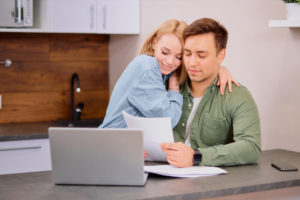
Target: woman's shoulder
(144,66)
(146,61)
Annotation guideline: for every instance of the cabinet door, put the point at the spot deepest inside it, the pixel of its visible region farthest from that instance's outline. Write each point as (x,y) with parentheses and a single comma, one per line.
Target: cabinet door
(72,16)
(25,156)
(118,16)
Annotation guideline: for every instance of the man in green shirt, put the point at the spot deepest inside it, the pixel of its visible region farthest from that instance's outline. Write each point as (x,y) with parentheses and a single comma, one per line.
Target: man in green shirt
(214,129)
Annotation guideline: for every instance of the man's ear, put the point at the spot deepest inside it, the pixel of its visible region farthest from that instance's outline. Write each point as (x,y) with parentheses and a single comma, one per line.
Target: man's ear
(221,56)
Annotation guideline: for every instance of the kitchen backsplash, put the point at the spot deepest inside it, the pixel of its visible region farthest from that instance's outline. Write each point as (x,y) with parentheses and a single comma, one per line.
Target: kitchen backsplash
(36,87)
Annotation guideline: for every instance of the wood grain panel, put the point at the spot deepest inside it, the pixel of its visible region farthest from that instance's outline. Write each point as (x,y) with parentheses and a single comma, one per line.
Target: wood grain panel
(36,87)
(53,76)
(80,47)
(49,106)
(21,47)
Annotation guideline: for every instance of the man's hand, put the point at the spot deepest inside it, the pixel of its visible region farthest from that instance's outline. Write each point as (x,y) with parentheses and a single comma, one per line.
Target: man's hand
(178,154)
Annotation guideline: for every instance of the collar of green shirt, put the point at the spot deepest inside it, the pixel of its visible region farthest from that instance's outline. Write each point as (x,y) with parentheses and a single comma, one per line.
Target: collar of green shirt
(186,91)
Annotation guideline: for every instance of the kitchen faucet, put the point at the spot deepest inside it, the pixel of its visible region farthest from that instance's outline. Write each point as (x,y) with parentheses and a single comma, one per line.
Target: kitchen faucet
(76,112)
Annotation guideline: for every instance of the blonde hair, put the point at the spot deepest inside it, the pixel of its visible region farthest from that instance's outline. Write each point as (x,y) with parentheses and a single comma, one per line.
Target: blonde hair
(172,26)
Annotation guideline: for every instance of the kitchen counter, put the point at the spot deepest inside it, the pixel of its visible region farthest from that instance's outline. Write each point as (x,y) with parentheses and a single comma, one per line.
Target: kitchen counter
(24,131)
(239,180)
(38,130)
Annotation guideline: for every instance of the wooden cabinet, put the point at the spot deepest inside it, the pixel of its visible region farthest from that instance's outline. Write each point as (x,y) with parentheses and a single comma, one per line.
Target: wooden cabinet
(25,156)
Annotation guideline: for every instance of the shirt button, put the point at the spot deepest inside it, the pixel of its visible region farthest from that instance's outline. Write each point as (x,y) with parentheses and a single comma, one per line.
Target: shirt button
(190,105)
(182,124)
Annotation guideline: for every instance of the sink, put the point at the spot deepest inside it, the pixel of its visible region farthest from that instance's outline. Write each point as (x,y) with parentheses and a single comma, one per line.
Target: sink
(81,123)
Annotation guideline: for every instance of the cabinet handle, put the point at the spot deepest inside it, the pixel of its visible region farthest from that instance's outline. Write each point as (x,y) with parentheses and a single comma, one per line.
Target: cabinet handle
(19,12)
(16,11)
(104,17)
(92,9)
(20,148)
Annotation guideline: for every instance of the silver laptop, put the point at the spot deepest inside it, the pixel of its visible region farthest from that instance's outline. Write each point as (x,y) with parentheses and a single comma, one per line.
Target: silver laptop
(94,156)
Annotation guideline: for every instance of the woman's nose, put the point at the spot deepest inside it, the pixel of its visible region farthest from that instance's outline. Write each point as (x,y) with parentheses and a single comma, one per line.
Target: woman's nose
(170,60)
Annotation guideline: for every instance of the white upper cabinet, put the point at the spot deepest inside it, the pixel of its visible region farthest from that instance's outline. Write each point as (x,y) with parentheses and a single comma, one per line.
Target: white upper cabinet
(91,16)
(118,16)
(84,16)
(72,16)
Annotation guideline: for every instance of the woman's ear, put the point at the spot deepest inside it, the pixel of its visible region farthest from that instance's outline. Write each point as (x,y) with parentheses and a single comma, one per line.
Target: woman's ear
(221,56)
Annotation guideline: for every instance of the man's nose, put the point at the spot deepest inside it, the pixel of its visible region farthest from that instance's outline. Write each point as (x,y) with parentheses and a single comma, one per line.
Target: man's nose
(193,61)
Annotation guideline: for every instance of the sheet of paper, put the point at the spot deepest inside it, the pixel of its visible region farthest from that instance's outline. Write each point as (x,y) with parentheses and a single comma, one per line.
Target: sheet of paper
(156,131)
(168,170)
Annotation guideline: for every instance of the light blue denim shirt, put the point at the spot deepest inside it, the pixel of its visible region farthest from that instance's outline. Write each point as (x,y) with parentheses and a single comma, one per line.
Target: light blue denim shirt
(140,91)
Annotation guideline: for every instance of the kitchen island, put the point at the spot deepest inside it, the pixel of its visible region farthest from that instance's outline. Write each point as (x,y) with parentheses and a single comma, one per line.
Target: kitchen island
(239,180)
(24,147)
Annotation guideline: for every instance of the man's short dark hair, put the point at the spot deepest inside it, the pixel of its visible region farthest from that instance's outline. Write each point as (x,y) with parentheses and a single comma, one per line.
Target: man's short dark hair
(208,25)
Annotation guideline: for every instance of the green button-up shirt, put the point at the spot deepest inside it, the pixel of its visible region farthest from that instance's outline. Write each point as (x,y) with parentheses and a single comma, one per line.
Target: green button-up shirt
(225,129)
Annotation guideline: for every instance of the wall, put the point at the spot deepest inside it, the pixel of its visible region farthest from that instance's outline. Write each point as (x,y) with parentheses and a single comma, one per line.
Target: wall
(264,59)
(37,86)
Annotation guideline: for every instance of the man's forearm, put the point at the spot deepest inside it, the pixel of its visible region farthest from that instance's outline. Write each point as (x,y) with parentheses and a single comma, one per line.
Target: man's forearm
(236,153)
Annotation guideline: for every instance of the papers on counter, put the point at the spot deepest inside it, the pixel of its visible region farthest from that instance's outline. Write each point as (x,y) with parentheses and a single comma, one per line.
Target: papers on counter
(156,131)
(168,170)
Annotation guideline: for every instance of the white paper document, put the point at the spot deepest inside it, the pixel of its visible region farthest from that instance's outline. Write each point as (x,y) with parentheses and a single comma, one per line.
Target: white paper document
(199,171)
(156,131)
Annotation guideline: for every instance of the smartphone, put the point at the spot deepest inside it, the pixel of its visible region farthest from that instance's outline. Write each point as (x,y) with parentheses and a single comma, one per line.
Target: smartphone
(283,166)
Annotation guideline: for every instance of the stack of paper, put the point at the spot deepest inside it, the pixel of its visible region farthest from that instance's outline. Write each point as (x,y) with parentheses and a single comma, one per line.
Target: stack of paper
(155,132)
(168,170)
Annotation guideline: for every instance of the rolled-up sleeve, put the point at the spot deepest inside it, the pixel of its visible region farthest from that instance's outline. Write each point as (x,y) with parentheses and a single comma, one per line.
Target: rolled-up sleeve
(246,147)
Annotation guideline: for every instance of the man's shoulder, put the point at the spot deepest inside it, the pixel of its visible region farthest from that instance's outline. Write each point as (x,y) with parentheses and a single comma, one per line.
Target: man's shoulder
(239,90)
(240,95)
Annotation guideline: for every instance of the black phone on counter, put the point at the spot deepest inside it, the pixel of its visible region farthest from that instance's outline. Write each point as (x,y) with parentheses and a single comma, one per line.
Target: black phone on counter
(283,166)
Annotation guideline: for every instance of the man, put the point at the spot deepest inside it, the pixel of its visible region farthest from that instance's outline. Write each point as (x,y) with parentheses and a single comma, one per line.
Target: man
(214,130)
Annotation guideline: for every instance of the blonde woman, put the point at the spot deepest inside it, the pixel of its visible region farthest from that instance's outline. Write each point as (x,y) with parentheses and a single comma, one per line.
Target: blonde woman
(149,86)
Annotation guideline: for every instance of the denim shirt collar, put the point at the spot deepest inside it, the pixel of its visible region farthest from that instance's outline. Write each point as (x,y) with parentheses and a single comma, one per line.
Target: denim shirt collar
(166,77)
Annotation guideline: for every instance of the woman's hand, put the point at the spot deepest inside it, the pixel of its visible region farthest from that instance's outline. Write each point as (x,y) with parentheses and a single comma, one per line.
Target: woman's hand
(145,154)
(173,83)
(225,78)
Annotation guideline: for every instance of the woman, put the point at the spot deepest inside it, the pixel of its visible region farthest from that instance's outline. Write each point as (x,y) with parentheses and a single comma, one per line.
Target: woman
(149,86)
